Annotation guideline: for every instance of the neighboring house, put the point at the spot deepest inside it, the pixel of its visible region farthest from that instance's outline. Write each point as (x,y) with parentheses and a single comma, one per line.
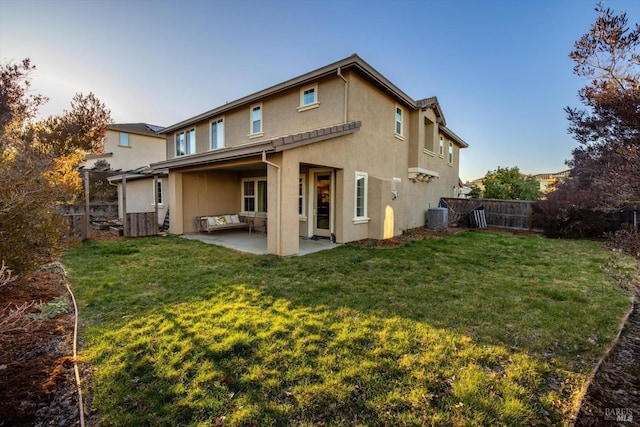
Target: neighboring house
(129,148)
(548,181)
(339,152)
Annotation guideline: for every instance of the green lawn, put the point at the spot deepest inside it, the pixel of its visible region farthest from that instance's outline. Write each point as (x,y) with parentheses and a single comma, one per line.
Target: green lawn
(479,328)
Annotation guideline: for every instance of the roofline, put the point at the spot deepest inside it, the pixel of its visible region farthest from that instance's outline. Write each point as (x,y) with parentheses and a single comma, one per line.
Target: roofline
(433,103)
(353,61)
(453,136)
(150,133)
(136,176)
(276,145)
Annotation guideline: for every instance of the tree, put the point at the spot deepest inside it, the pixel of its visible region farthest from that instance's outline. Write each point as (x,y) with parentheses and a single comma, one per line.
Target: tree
(608,129)
(605,172)
(38,162)
(510,184)
(475,192)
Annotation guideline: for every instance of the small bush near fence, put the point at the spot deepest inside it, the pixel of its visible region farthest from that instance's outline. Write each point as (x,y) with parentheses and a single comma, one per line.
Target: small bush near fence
(566,219)
(627,239)
(578,214)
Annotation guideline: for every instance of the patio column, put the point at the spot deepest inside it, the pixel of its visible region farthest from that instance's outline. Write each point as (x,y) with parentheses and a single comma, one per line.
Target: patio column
(282,205)
(290,221)
(176,225)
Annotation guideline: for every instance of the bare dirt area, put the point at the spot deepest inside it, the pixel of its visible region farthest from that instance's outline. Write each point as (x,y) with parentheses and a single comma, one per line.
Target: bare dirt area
(407,236)
(37,380)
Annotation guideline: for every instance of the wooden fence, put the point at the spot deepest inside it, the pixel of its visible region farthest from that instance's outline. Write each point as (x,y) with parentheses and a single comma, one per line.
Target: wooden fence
(138,225)
(515,214)
(76,229)
(101,210)
(141,224)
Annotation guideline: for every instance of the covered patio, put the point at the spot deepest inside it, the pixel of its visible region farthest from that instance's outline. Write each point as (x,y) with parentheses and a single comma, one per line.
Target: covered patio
(256,243)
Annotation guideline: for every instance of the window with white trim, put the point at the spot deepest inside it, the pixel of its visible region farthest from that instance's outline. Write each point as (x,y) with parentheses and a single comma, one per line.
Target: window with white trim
(186,142)
(441,149)
(450,153)
(308,97)
(254,195)
(301,198)
(124,139)
(256,120)
(360,212)
(217,134)
(157,193)
(399,118)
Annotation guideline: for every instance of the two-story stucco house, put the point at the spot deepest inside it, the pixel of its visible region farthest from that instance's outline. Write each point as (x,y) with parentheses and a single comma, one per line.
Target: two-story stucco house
(338,152)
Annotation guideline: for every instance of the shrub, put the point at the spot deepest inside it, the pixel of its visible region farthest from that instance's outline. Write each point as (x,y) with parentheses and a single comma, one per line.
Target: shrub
(627,240)
(37,166)
(570,212)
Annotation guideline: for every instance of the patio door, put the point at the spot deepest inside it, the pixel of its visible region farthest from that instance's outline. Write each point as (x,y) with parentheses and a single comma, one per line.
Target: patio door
(322,204)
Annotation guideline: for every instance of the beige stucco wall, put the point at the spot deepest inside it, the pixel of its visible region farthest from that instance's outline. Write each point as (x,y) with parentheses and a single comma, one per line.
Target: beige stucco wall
(280,117)
(209,193)
(140,197)
(141,151)
(395,203)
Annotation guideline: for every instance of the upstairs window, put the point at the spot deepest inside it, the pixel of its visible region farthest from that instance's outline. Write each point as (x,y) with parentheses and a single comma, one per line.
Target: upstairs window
(308,97)
(124,139)
(185,142)
(441,149)
(217,134)
(399,117)
(450,153)
(256,120)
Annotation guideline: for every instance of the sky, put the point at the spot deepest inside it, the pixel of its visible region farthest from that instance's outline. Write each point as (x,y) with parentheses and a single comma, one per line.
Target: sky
(500,68)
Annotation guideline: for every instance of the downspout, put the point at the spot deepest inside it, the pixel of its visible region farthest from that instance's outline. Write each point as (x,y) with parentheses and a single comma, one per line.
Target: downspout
(124,204)
(346,94)
(87,207)
(155,201)
(278,190)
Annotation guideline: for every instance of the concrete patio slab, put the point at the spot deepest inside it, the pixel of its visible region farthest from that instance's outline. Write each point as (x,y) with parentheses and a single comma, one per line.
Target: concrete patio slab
(256,243)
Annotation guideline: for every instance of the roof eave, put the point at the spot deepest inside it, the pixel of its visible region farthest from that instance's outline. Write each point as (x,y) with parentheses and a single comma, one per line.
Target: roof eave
(241,151)
(129,128)
(349,62)
(453,136)
(268,146)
